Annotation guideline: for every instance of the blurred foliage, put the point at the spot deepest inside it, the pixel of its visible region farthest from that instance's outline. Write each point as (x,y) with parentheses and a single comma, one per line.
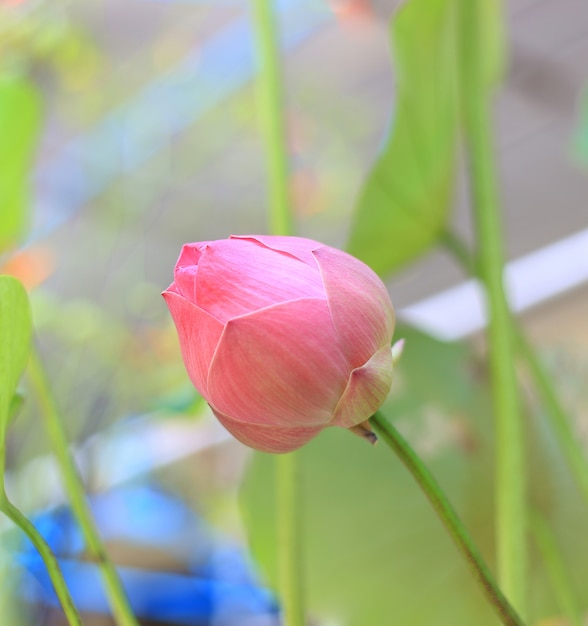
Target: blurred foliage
(15,337)
(404,204)
(20,124)
(41,32)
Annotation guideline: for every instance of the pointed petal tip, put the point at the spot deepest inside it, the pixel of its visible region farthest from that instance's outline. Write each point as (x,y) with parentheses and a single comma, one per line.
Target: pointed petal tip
(364,430)
(397,350)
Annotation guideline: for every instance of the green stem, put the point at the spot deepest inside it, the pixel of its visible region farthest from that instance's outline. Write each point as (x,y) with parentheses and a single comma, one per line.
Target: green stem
(510,465)
(272,118)
(289,539)
(449,518)
(75,491)
(288,500)
(38,541)
(571,448)
(556,569)
(559,420)
(51,563)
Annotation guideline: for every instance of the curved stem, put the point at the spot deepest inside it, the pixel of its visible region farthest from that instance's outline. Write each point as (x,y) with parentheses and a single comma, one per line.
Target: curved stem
(51,563)
(449,518)
(75,490)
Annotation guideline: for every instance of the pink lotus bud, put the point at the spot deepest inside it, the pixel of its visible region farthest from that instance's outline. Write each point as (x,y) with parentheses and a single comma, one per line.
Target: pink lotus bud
(282,336)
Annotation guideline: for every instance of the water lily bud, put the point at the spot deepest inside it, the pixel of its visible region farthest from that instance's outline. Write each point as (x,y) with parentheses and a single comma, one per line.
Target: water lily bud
(282,336)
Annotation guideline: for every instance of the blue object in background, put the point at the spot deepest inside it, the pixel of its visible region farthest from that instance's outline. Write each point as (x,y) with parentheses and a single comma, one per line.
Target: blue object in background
(211,582)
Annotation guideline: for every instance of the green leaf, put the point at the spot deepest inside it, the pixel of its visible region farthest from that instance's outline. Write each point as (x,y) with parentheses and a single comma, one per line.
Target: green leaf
(405,201)
(20,117)
(404,204)
(15,338)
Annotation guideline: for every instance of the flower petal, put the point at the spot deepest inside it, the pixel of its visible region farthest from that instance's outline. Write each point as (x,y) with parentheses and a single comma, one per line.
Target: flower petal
(238,276)
(298,247)
(199,334)
(362,312)
(268,438)
(281,365)
(187,267)
(366,390)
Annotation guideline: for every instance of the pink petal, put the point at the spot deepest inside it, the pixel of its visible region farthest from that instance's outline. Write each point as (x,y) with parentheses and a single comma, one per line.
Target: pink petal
(280,366)
(366,390)
(187,267)
(199,334)
(360,305)
(238,276)
(268,438)
(298,247)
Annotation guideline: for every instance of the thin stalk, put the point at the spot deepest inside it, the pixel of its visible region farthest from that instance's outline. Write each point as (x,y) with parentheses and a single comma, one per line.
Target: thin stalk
(510,456)
(560,581)
(75,490)
(51,563)
(560,421)
(288,497)
(561,424)
(449,518)
(290,542)
(272,118)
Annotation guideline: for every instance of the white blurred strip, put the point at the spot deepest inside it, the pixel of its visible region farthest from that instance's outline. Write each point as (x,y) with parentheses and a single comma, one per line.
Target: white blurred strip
(530,280)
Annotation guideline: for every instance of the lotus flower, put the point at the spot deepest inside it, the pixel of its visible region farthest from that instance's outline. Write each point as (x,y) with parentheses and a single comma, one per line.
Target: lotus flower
(282,336)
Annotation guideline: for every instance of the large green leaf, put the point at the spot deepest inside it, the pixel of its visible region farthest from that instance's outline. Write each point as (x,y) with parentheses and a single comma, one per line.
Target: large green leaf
(19,131)
(15,338)
(405,200)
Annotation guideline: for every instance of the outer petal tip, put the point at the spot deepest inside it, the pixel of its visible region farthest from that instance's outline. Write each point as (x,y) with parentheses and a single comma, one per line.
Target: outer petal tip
(198,334)
(364,430)
(397,350)
(367,388)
